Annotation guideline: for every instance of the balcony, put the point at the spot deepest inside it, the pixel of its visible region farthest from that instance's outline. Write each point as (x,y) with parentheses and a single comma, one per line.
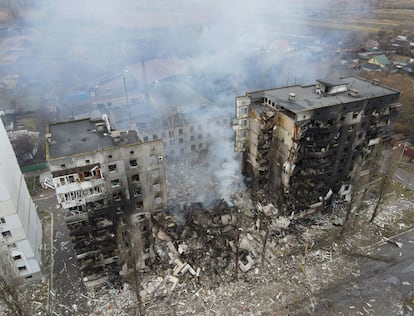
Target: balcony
(94,197)
(81,230)
(80,186)
(315,163)
(71,218)
(323,129)
(100,212)
(315,173)
(319,141)
(72,203)
(320,153)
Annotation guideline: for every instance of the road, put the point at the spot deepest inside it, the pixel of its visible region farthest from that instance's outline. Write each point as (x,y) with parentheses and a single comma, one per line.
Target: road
(384,284)
(405,178)
(66,286)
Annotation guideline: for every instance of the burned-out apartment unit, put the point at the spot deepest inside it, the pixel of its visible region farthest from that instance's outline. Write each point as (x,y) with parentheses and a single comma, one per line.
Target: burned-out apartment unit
(307,145)
(101,177)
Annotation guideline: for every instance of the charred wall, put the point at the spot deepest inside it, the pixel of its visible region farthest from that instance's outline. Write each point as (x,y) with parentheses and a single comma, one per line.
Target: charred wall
(304,152)
(100,188)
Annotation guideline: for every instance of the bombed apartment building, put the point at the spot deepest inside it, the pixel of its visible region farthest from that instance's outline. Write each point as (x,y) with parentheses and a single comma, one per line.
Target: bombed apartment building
(186,121)
(307,145)
(102,176)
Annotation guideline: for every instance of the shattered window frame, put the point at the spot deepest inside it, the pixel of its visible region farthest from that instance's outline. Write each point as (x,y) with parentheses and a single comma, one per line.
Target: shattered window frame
(135,178)
(133,163)
(115,183)
(112,167)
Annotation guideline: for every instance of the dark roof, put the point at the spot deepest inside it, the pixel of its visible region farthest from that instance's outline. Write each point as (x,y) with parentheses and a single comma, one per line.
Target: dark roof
(81,136)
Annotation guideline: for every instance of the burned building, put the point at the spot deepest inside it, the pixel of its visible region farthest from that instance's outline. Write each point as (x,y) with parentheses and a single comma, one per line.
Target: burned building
(308,144)
(102,175)
(182,118)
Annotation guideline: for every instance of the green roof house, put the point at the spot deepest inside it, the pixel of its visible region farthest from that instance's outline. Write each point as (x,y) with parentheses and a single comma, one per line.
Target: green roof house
(380,60)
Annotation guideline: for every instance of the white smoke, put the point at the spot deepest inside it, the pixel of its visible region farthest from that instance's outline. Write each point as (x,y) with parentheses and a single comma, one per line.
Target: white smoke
(230,47)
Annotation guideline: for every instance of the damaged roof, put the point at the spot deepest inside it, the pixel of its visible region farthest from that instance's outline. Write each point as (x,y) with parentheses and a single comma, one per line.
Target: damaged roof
(305,98)
(81,136)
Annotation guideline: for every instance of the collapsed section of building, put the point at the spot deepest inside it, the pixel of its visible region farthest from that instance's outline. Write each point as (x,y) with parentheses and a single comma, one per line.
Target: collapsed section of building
(308,144)
(101,177)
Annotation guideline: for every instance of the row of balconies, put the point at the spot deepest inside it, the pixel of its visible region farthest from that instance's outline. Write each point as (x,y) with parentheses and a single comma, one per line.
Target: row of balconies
(319,173)
(321,130)
(315,163)
(110,265)
(92,243)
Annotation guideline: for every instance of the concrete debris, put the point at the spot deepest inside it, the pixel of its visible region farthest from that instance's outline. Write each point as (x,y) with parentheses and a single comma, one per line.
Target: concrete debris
(268,210)
(194,270)
(163,236)
(179,266)
(152,285)
(182,248)
(173,280)
(189,268)
(228,219)
(281,222)
(248,265)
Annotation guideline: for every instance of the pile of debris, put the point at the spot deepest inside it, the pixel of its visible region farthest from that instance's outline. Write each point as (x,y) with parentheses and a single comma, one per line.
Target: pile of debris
(199,249)
(202,247)
(192,181)
(191,239)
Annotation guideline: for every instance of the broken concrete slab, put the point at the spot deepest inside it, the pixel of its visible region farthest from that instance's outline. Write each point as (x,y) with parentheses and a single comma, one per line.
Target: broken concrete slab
(246,266)
(182,248)
(281,222)
(228,219)
(189,268)
(173,280)
(163,236)
(178,267)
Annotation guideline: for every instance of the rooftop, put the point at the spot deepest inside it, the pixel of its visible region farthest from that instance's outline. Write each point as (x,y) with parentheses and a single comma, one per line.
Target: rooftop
(303,98)
(81,136)
(382,59)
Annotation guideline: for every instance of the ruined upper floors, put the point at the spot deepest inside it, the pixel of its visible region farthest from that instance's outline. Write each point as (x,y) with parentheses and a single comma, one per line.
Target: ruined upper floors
(103,178)
(306,144)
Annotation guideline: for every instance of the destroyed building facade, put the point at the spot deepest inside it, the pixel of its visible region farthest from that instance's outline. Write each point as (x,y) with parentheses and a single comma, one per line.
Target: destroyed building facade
(307,145)
(101,177)
(20,226)
(171,111)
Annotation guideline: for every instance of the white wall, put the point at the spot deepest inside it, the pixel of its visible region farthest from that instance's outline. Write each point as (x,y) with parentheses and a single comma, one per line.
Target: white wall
(19,212)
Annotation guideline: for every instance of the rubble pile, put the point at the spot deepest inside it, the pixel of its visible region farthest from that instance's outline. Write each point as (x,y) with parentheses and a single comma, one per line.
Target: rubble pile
(195,270)
(196,247)
(195,240)
(191,181)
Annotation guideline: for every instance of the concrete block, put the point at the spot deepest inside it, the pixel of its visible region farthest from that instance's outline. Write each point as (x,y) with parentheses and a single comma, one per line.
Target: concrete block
(246,267)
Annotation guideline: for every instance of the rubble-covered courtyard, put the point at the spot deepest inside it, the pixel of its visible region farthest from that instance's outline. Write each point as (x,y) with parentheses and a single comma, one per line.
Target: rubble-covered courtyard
(303,262)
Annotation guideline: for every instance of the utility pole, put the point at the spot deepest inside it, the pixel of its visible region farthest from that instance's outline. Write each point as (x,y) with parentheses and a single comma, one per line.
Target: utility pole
(124,73)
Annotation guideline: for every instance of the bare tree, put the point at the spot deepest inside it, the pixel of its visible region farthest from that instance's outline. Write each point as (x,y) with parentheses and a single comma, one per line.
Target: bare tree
(131,256)
(384,185)
(9,294)
(265,223)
